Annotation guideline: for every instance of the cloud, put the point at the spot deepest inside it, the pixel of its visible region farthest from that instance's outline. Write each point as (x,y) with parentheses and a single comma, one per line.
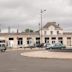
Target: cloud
(70,2)
(26,13)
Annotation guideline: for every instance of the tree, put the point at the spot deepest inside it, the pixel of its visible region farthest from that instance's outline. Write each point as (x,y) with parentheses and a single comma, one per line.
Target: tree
(28,30)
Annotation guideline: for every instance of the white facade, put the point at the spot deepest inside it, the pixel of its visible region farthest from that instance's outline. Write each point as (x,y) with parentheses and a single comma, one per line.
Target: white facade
(50,33)
(53,33)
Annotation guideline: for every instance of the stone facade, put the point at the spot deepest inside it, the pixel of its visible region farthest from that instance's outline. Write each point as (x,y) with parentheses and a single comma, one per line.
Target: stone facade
(51,33)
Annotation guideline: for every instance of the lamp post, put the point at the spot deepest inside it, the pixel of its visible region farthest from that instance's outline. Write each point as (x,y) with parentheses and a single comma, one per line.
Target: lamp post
(41,13)
(17,36)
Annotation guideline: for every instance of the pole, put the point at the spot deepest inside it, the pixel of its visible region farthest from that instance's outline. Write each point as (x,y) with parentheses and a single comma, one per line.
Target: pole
(17,37)
(41,28)
(9,37)
(41,25)
(0,28)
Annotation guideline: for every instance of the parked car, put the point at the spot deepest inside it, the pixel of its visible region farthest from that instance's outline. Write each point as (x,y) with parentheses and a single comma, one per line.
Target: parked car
(56,46)
(47,46)
(39,45)
(2,47)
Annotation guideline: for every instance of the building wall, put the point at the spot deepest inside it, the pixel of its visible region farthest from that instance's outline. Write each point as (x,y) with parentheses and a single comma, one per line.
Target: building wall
(66,42)
(48,31)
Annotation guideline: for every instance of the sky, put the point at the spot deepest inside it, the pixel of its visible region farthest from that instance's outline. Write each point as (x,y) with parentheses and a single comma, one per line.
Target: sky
(24,14)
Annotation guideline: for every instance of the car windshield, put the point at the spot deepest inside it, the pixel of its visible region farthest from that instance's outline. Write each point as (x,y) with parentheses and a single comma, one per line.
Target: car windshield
(58,44)
(48,44)
(2,45)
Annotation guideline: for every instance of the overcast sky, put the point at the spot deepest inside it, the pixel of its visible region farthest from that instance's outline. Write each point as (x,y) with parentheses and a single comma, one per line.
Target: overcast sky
(26,13)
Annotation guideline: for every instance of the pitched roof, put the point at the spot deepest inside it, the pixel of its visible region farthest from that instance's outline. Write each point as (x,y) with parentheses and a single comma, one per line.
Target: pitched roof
(53,24)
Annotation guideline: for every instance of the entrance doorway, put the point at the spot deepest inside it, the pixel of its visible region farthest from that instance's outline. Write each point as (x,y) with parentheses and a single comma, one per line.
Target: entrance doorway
(11,43)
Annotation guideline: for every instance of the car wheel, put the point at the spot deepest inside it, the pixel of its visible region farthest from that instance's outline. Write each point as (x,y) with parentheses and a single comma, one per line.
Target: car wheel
(3,50)
(50,48)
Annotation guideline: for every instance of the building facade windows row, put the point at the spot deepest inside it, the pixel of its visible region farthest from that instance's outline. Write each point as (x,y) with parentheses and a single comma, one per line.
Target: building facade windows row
(51,32)
(30,40)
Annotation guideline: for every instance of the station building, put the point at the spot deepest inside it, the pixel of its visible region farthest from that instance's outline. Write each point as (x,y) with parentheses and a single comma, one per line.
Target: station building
(50,33)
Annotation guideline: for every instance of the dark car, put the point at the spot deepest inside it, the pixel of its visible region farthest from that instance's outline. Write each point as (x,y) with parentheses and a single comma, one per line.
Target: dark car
(39,45)
(47,46)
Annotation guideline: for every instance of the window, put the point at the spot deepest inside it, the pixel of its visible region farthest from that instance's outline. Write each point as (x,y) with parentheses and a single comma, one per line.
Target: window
(2,41)
(11,38)
(53,42)
(28,42)
(20,41)
(69,41)
(53,37)
(47,40)
(60,38)
(51,32)
(68,37)
(38,40)
(57,32)
(28,39)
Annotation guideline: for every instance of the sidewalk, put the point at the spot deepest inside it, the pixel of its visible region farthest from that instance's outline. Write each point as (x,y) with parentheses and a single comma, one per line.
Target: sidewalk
(47,54)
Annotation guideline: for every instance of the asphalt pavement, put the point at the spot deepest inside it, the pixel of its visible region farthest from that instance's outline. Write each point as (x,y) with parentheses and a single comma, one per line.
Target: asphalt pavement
(12,61)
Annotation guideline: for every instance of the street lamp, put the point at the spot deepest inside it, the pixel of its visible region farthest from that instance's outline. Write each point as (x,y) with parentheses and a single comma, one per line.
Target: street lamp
(42,11)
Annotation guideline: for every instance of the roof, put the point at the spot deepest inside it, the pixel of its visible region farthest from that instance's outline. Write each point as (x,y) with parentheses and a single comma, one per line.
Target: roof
(53,24)
(23,33)
(67,33)
(33,33)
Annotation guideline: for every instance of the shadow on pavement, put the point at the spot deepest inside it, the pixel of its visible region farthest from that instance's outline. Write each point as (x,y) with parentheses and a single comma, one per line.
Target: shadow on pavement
(60,50)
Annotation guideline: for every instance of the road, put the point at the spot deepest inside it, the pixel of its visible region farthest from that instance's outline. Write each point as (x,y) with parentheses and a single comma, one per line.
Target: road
(12,61)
